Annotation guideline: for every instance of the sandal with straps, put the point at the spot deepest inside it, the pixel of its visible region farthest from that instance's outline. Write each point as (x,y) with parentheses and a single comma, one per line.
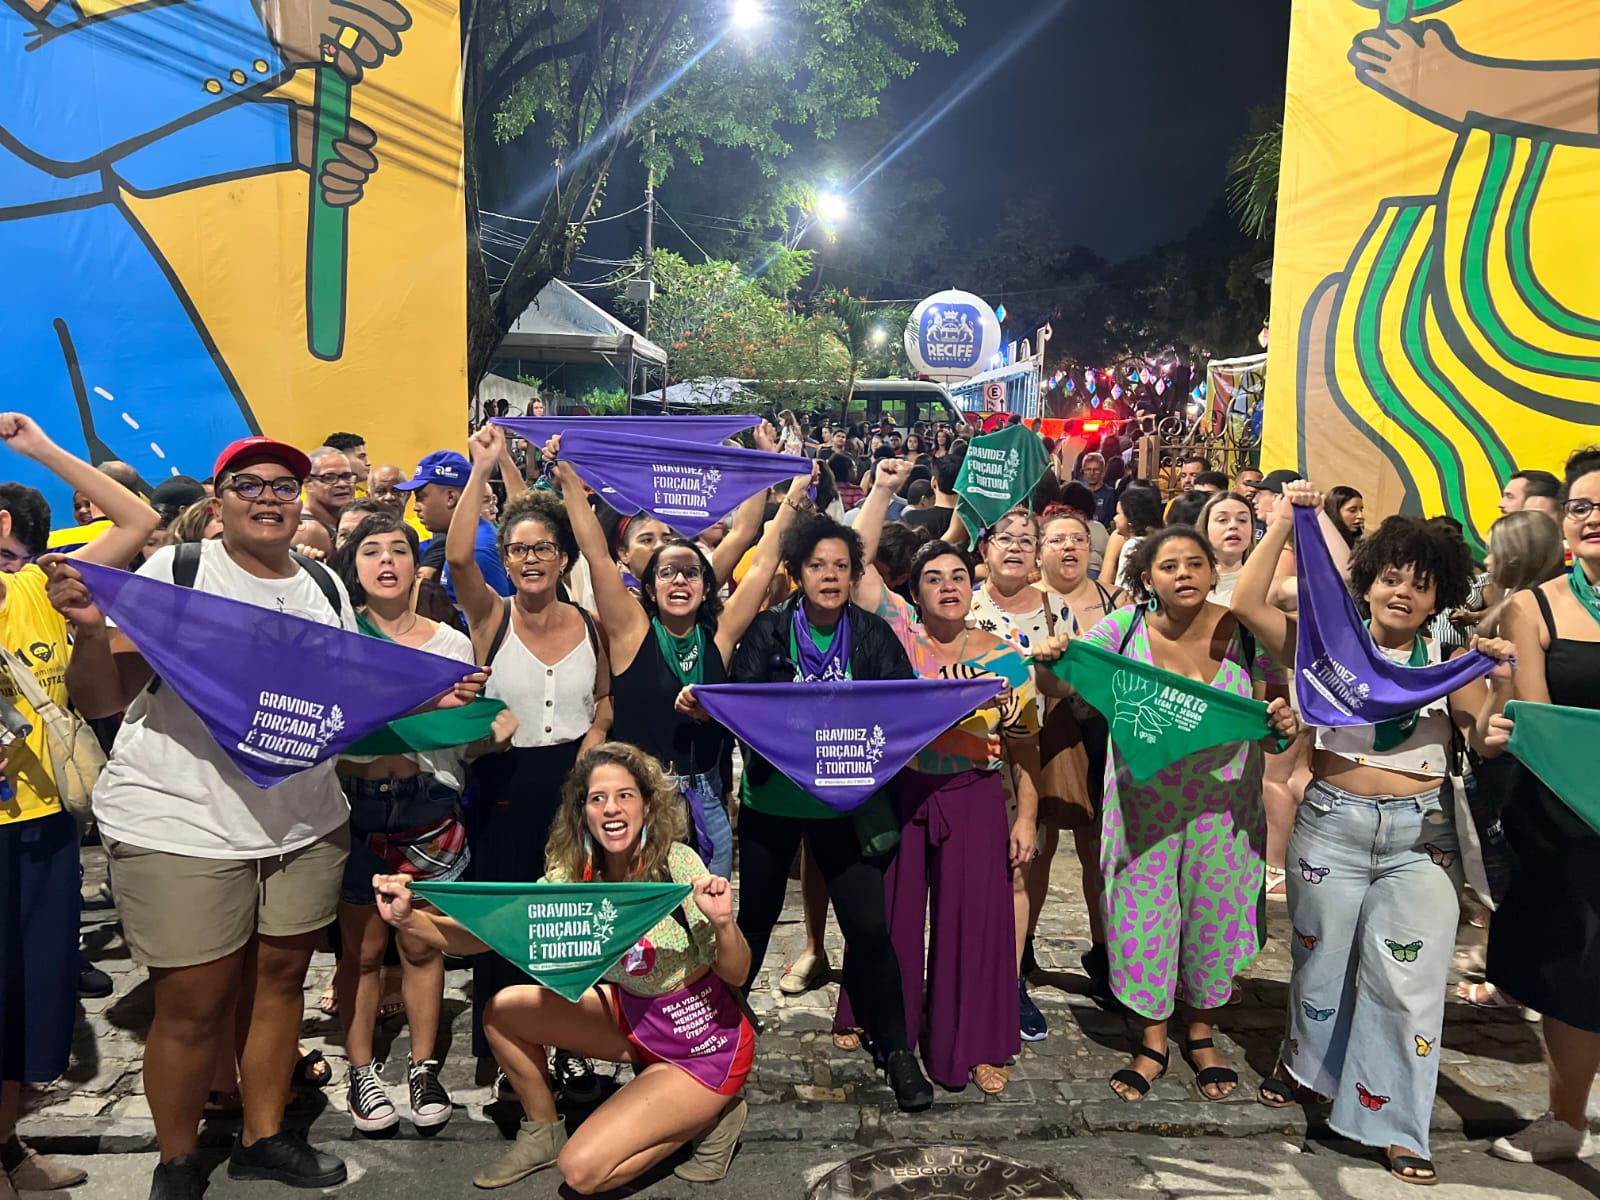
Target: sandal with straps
(1130,1078)
(1422,1172)
(1209,1077)
(990,1078)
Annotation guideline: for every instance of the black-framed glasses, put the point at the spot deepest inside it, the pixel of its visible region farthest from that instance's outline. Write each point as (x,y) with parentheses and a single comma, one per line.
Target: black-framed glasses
(667,572)
(1579,509)
(332,477)
(541,551)
(249,487)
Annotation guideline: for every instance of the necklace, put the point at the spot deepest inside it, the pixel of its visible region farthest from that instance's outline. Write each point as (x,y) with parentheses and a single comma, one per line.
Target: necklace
(399,633)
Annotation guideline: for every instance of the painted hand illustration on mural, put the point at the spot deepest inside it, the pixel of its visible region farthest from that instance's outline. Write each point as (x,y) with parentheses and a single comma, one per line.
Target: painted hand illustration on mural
(1439,340)
(105,105)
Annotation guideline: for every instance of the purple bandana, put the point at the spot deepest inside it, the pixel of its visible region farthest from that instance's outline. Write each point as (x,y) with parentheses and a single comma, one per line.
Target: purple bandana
(687,485)
(812,664)
(1341,677)
(841,742)
(278,692)
(712,429)
(698,1028)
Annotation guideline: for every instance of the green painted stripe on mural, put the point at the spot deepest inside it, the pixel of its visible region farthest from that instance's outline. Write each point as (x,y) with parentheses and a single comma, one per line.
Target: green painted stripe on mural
(1520,256)
(1475,279)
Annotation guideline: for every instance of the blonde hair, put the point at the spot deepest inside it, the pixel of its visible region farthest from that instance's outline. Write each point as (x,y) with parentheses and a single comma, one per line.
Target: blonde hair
(1526,548)
(569,850)
(190,525)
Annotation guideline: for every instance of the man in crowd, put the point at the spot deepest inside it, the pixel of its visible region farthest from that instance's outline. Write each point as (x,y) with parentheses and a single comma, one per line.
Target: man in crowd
(223,887)
(39,874)
(383,486)
(1535,491)
(1246,477)
(837,440)
(354,447)
(935,517)
(1092,473)
(435,490)
(1211,482)
(1190,469)
(329,487)
(1264,494)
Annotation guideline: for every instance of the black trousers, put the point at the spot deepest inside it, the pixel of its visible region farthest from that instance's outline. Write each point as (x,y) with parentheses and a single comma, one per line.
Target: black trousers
(767,846)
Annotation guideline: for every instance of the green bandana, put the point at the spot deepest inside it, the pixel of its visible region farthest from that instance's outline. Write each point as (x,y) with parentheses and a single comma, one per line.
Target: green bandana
(1158,717)
(437,729)
(1386,735)
(1545,738)
(1588,594)
(1000,472)
(685,655)
(563,935)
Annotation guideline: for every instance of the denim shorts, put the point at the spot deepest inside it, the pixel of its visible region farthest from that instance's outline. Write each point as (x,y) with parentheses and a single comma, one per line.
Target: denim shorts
(402,827)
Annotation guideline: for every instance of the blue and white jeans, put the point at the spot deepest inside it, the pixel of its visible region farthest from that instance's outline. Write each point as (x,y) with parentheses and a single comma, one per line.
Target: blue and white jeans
(710,832)
(1373,891)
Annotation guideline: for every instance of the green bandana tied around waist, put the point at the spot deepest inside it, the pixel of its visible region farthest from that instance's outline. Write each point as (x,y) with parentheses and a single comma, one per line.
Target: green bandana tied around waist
(1548,740)
(563,935)
(1158,717)
(436,729)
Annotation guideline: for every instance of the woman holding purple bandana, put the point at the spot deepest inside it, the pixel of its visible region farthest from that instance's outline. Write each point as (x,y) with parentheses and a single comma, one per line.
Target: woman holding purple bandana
(675,633)
(1374,861)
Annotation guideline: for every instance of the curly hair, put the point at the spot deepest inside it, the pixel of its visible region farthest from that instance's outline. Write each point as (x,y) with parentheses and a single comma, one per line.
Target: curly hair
(546,509)
(711,600)
(30,516)
(343,562)
(803,537)
(1142,507)
(1142,560)
(570,849)
(1580,463)
(1433,549)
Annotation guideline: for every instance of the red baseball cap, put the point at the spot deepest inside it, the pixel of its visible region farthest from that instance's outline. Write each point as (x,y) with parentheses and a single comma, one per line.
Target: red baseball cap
(255,447)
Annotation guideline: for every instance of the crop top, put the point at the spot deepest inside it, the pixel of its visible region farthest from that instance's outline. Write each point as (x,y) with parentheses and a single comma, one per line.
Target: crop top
(1426,752)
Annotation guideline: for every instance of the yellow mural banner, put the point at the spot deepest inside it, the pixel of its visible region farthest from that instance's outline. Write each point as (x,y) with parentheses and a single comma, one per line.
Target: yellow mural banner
(221,218)
(1436,281)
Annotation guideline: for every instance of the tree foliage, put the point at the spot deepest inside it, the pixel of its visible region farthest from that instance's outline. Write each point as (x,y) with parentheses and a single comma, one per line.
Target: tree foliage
(586,76)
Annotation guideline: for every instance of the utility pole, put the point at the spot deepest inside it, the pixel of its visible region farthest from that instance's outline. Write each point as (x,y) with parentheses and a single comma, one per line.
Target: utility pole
(649,230)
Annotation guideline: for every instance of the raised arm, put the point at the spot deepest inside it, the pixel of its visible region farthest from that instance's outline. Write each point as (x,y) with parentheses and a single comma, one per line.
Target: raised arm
(482,604)
(132,520)
(511,474)
(104,671)
(745,603)
(621,614)
(745,527)
(886,482)
(1252,595)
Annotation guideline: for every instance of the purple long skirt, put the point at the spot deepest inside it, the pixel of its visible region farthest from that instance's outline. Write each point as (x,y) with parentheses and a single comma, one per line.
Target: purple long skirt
(954,847)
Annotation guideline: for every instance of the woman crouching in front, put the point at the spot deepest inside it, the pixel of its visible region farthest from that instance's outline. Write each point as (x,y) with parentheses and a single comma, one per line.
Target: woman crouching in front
(620,822)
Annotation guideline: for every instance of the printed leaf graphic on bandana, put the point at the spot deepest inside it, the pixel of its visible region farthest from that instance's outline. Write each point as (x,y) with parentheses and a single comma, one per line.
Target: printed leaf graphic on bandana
(1000,472)
(687,485)
(279,693)
(1158,717)
(840,741)
(563,935)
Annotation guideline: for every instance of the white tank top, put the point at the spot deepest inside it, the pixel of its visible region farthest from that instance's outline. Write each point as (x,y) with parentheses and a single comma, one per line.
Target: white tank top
(1425,752)
(553,702)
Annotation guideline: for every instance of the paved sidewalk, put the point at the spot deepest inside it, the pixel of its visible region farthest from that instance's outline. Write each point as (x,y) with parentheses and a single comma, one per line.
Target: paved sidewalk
(803,1089)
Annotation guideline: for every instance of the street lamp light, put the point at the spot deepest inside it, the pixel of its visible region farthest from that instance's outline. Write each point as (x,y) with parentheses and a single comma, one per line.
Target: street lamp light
(879,335)
(832,207)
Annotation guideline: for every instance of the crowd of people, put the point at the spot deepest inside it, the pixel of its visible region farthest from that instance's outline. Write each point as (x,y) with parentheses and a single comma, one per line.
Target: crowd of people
(594,629)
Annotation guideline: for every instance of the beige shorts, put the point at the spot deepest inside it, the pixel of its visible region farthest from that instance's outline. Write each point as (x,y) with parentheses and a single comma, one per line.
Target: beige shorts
(179,911)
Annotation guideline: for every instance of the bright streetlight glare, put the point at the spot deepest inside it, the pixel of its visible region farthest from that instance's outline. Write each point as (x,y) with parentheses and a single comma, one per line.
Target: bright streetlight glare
(879,335)
(832,207)
(747,14)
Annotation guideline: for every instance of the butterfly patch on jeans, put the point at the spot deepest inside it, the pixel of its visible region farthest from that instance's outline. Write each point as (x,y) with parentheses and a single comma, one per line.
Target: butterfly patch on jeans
(1424,1046)
(1368,1100)
(1405,954)
(1441,858)
(1313,874)
(1315,1013)
(1308,940)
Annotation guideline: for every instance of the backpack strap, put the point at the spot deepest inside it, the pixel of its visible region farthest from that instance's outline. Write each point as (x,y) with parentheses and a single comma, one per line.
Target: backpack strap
(186,563)
(320,575)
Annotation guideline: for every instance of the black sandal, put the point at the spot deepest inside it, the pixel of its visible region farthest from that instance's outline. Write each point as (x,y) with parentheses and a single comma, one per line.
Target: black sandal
(1276,1093)
(312,1071)
(1209,1076)
(1399,1164)
(1131,1078)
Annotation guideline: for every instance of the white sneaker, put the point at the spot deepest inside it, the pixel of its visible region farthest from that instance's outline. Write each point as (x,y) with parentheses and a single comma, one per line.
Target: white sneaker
(1546,1140)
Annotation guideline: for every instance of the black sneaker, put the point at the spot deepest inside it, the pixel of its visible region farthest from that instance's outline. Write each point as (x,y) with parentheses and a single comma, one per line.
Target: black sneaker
(1029,1017)
(430,1103)
(288,1159)
(93,983)
(371,1110)
(180,1179)
(912,1091)
(576,1078)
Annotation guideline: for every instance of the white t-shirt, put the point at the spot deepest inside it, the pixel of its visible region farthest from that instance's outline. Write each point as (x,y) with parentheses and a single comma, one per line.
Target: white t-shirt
(170,787)
(444,765)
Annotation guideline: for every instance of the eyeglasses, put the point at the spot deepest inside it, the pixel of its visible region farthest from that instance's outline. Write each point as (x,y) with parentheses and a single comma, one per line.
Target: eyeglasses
(1577,510)
(332,477)
(541,551)
(248,487)
(1056,541)
(667,572)
(1007,541)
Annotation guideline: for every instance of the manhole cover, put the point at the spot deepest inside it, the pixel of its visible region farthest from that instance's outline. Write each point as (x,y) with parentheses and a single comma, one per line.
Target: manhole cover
(921,1172)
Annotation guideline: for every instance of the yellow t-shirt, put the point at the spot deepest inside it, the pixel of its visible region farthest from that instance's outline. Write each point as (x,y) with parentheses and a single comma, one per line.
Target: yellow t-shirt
(36,633)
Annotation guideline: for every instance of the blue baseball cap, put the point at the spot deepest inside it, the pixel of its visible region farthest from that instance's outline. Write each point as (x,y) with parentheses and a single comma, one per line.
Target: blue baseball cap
(444,467)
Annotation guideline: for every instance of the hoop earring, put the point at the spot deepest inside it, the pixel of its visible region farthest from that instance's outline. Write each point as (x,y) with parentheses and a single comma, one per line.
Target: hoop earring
(1152,605)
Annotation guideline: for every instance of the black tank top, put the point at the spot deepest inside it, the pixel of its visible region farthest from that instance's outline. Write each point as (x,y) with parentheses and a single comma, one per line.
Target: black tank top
(1571,667)
(642,699)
